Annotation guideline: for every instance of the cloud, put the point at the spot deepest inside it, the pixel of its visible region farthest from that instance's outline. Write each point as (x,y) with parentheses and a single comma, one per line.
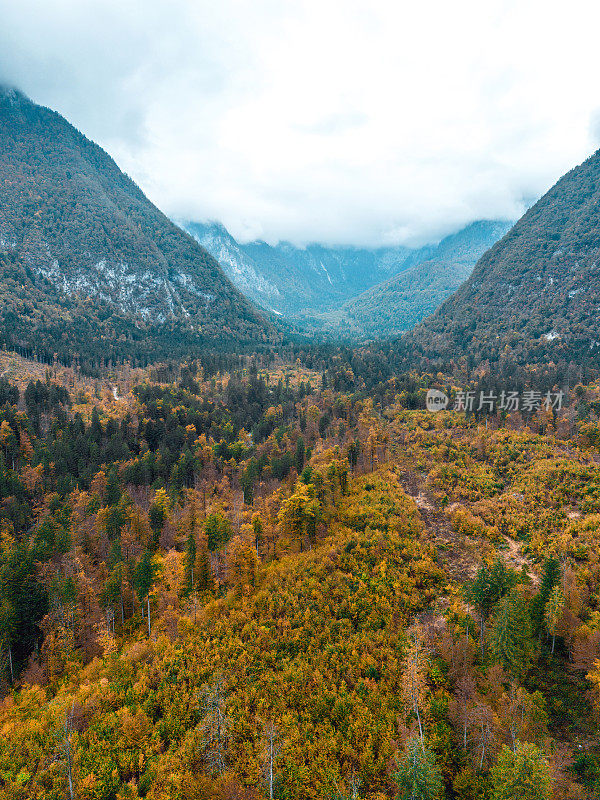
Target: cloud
(340,121)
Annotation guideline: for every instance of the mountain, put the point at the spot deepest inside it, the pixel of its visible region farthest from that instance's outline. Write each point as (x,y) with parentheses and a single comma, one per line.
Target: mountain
(401,302)
(88,263)
(349,292)
(535,295)
(293,280)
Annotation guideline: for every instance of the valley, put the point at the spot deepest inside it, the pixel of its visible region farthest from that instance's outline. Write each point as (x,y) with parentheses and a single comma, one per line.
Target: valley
(349,293)
(239,557)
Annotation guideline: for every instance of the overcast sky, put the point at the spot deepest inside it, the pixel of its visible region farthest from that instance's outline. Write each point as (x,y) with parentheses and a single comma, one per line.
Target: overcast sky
(340,121)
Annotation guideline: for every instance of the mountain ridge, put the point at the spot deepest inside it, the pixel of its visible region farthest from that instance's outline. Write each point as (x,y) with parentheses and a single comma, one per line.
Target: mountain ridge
(289,279)
(396,305)
(321,288)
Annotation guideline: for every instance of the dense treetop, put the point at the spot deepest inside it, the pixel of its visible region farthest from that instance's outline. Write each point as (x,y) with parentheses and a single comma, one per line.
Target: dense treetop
(231,584)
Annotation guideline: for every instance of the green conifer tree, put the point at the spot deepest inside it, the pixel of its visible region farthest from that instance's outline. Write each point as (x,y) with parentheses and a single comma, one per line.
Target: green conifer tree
(511,634)
(418,776)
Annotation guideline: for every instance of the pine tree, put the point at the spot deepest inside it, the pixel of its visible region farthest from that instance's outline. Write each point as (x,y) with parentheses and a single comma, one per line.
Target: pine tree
(96,432)
(145,573)
(511,634)
(248,479)
(218,531)
(300,454)
(7,630)
(417,776)
(113,490)
(550,578)
(112,593)
(204,579)
(157,515)
(553,612)
(489,586)
(257,530)
(353,453)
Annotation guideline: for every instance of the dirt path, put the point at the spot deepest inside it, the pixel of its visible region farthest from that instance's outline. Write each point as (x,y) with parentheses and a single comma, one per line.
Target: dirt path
(461,555)
(517,560)
(458,553)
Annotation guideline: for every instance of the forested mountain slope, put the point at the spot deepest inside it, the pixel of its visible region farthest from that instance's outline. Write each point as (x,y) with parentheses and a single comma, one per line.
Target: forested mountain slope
(89,262)
(396,305)
(535,295)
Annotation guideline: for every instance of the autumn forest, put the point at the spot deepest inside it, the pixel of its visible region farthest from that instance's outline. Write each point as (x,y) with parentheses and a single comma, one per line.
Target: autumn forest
(247,583)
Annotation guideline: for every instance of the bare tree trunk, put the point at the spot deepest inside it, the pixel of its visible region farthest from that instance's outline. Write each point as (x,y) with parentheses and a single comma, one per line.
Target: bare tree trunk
(420,728)
(271,767)
(482,634)
(483,742)
(67,743)
(273,746)
(465,727)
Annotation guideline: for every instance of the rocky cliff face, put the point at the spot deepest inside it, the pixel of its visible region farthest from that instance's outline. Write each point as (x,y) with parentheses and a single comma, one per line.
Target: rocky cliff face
(296,281)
